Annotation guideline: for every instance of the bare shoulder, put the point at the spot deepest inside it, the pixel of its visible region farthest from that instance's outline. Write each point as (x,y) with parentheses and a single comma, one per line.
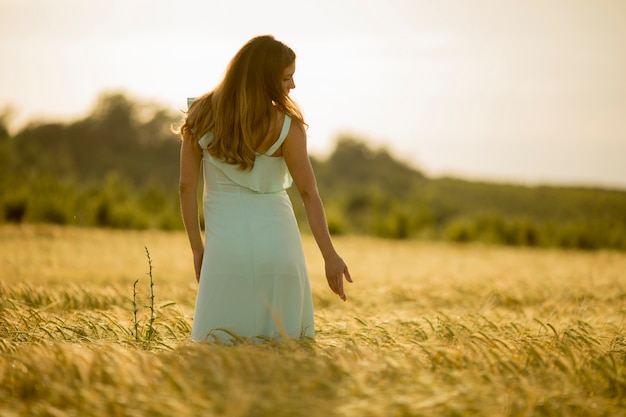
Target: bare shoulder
(295,146)
(189,142)
(296,130)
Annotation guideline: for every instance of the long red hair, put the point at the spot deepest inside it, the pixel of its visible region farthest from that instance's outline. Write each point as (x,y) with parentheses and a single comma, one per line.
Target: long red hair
(240,109)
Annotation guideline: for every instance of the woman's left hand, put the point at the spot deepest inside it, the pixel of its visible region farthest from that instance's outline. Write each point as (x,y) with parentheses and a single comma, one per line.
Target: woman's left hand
(198,254)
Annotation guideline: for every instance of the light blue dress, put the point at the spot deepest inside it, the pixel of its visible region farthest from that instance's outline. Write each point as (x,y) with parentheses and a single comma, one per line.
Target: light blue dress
(253,282)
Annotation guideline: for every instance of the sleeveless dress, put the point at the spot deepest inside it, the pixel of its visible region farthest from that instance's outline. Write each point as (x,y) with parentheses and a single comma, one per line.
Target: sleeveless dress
(254,283)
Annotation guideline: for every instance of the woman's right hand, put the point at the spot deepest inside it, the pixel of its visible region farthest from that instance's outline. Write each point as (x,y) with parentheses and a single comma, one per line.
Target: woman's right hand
(336,270)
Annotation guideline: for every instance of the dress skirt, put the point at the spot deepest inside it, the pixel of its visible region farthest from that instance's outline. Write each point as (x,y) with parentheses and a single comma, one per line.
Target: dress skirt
(253,283)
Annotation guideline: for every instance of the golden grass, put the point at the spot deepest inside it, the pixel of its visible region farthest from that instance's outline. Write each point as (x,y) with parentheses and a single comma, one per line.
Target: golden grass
(428,329)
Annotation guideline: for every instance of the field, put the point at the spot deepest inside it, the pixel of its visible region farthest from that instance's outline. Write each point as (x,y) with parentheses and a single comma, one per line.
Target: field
(428,330)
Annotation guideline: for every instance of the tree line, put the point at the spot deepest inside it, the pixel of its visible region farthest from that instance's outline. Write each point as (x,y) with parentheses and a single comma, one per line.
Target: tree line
(118,167)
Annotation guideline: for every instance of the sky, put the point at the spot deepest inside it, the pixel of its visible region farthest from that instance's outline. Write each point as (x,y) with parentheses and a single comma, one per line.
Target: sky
(524,91)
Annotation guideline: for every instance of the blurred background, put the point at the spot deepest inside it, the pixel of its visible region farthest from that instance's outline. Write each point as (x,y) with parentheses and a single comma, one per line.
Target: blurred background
(463,120)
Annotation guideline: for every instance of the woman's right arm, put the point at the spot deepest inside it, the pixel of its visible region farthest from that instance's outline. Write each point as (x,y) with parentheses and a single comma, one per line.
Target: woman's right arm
(190,166)
(297,160)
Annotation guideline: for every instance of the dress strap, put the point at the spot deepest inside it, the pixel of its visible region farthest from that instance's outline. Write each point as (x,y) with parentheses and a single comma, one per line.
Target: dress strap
(282,137)
(205,140)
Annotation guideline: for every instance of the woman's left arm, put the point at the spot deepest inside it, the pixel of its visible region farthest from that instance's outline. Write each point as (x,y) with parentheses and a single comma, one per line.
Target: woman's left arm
(190,166)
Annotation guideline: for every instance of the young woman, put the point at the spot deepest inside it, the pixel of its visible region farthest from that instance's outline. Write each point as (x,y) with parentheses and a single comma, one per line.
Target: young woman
(247,136)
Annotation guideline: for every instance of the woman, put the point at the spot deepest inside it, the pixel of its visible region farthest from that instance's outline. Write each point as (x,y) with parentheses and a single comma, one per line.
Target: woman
(248,137)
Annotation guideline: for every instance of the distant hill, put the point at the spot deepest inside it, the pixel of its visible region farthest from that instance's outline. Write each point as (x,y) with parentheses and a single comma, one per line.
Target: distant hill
(118,167)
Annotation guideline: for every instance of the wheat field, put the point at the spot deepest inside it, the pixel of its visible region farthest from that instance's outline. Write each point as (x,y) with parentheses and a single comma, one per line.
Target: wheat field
(428,330)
